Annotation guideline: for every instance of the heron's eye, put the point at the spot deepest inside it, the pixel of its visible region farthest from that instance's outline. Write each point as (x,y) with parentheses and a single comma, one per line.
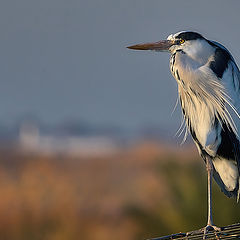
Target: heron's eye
(181,41)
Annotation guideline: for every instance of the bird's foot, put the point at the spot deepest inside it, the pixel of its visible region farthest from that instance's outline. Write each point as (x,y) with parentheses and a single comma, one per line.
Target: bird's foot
(211,228)
(207,231)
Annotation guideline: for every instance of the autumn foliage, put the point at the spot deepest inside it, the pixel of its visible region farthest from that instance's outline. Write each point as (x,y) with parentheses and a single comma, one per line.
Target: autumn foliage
(146,190)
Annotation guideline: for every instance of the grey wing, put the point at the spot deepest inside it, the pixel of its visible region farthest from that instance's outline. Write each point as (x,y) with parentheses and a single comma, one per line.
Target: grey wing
(229,147)
(227,159)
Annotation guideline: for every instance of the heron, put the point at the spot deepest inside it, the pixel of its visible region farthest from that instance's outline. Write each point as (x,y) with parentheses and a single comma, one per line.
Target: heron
(208,82)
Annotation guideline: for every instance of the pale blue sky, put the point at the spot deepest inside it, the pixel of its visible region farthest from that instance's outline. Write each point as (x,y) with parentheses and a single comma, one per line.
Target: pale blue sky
(66,60)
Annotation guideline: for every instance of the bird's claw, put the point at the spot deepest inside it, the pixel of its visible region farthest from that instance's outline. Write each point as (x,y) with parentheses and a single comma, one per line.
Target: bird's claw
(206,230)
(210,228)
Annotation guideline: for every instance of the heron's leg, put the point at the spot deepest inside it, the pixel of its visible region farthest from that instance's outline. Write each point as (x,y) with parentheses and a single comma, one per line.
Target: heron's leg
(209,167)
(210,227)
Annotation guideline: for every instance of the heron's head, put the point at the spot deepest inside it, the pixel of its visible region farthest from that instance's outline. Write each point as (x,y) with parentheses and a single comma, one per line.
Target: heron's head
(191,43)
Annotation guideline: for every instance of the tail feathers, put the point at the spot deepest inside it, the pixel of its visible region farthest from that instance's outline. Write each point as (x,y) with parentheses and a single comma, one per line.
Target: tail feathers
(238,193)
(226,175)
(220,183)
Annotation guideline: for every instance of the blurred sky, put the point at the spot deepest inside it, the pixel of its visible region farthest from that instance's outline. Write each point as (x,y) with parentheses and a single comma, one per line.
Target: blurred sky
(64,60)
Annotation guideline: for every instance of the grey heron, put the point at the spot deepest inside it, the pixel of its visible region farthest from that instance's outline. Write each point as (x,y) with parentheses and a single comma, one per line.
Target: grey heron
(208,82)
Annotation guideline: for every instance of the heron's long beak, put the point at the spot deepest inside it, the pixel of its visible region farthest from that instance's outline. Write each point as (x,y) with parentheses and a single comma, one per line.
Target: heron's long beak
(163,45)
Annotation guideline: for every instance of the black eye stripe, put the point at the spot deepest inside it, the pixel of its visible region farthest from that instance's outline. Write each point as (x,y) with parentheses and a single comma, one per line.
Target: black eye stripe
(189,36)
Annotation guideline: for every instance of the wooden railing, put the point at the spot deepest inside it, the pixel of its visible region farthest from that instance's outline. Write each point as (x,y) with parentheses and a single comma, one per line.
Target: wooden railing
(229,232)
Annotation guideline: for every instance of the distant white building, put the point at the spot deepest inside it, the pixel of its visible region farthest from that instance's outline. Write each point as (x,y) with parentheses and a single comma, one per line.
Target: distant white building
(30,140)
(29,135)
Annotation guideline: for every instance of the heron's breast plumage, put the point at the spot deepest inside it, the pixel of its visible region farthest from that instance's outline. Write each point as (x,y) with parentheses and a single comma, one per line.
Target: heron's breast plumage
(203,98)
(195,96)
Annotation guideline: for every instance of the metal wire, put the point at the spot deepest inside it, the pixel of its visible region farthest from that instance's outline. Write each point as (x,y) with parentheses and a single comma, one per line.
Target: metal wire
(228,232)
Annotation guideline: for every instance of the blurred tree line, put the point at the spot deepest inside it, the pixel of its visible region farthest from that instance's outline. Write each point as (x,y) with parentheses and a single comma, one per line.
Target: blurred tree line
(144,191)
